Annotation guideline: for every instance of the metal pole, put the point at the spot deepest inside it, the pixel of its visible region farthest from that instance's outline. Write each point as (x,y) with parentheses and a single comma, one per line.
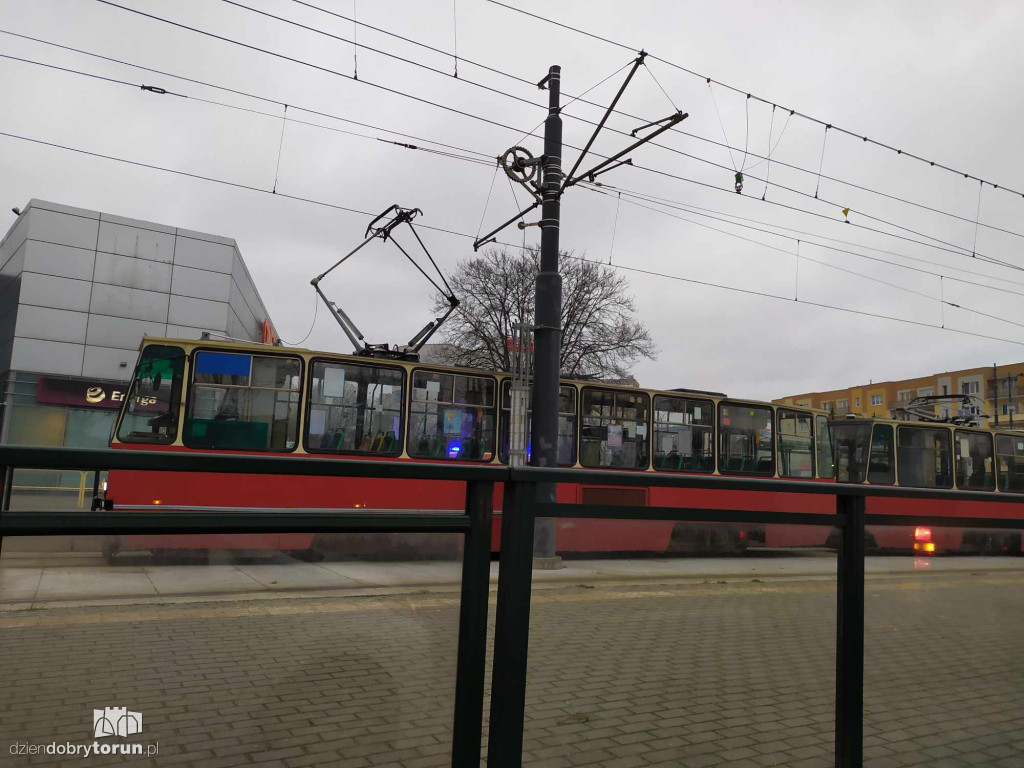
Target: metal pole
(548,317)
(511,628)
(5,502)
(472,659)
(995,392)
(850,634)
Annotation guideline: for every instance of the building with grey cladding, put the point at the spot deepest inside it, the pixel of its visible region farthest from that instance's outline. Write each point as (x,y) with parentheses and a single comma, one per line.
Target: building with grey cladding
(79,288)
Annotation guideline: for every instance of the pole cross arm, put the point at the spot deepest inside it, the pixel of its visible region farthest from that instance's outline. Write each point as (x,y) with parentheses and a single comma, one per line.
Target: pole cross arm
(663,125)
(490,236)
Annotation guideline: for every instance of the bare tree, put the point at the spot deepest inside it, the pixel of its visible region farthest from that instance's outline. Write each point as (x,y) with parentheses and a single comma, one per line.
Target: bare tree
(601,338)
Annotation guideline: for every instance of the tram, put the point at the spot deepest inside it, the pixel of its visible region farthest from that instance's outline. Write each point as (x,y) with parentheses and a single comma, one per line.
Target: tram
(218,396)
(933,454)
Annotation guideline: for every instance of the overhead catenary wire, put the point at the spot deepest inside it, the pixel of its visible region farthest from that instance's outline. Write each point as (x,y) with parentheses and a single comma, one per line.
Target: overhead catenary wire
(474,159)
(675,129)
(508,127)
(527,101)
(280,147)
(638,270)
(800,256)
(726,218)
(803,115)
(462,112)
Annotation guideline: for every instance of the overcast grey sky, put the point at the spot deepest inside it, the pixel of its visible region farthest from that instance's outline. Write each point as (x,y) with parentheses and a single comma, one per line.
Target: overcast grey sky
(938,79)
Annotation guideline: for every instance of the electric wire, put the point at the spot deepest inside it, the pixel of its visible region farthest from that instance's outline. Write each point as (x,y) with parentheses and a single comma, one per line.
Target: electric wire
(326,70)
(455,233)
(803,115)
(452,109)
(214,86)
(722,125)
(411,62)
(822,263)
(527,101)
(676,129)
(707,212)
(492,122)
(161,91)
(316,309)
(125,83)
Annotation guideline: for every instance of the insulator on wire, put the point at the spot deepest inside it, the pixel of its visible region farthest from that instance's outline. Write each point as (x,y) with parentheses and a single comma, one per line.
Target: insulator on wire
(739,183)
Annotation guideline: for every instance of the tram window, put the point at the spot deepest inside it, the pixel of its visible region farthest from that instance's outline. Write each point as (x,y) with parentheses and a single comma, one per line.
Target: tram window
(850,443)
(243,402)
(974,465)
(745,440)
(152,408)
(881,467)
(684,434)
(614,430)
(566,424)
(924,456)
(355,409)
(451,416)
(1010,455)
(796,444)
(823,438)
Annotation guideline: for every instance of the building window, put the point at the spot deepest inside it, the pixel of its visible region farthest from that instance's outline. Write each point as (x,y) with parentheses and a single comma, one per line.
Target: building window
(856,402)
(826,405)
(925,391)
(842,405)
(903,395)
(876,399)
(970,387)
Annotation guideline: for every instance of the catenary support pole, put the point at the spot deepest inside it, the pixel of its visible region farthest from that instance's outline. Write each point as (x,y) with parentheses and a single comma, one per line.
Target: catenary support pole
(850,635)
(548,316)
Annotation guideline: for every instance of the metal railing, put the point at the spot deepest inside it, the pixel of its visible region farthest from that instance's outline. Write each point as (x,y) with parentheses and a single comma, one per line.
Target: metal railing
(511,635)
(79,489)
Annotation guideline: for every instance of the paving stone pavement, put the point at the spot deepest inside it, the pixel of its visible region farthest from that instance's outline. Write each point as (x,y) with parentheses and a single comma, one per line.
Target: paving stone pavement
(732,672)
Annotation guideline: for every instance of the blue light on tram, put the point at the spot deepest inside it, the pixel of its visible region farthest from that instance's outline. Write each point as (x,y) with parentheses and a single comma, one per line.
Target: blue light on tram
(454,449)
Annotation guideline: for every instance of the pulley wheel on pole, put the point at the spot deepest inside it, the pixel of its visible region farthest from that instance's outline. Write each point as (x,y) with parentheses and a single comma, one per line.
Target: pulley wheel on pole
(518,164)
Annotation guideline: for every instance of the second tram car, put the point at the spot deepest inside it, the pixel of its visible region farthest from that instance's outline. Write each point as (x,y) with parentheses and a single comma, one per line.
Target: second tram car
(920,454)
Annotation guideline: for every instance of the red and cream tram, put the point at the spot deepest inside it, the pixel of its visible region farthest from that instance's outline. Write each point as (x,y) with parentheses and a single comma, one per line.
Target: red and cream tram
(919,454)
(190,395)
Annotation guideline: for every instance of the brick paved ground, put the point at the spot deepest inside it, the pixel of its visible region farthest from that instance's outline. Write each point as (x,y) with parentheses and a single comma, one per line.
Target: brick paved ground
(687,674)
